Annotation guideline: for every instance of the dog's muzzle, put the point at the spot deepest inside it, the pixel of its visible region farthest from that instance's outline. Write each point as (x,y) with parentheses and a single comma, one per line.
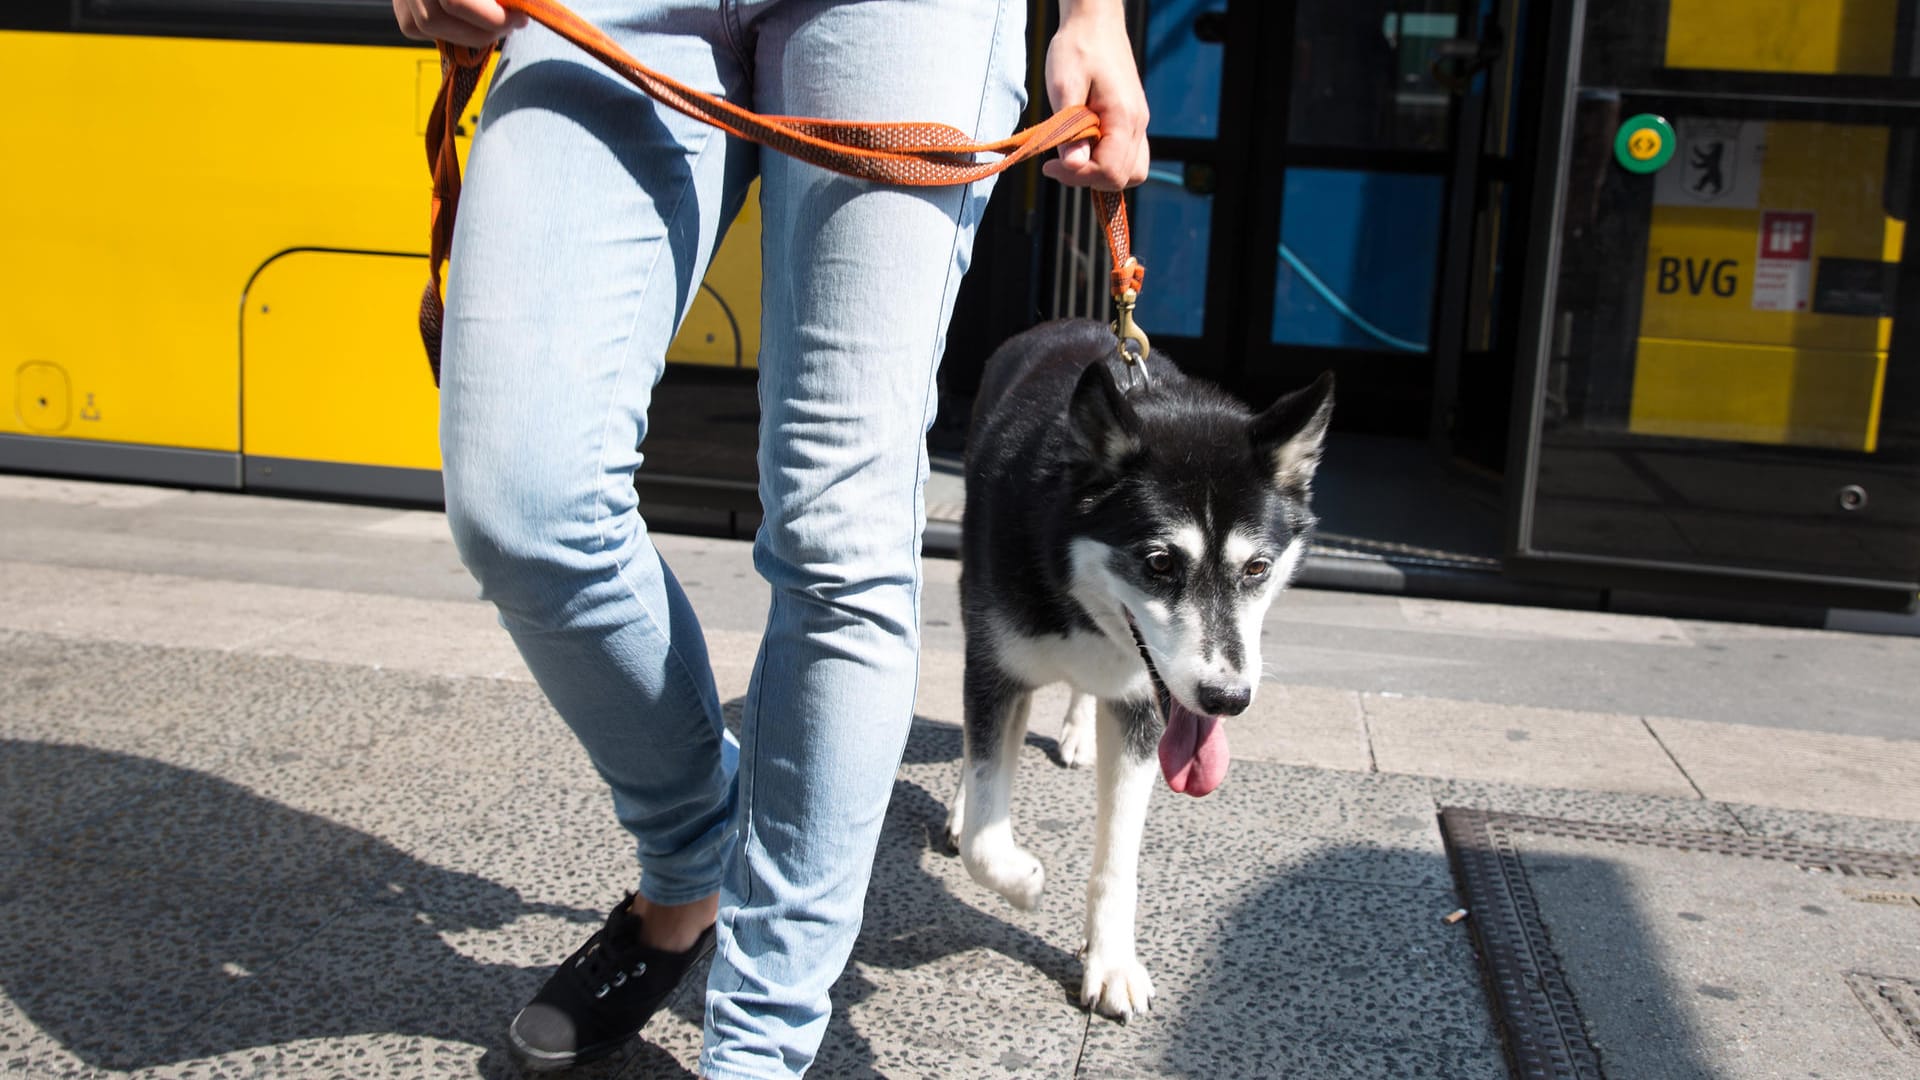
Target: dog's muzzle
(1193,745)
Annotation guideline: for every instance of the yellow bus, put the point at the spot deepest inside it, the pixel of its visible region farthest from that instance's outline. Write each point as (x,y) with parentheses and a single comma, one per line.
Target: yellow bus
(215,215)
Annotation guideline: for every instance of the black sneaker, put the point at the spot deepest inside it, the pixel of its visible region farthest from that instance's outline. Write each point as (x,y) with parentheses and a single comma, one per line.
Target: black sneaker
(601,996)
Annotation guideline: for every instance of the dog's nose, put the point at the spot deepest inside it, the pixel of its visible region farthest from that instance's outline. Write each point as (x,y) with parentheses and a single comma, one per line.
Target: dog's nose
(1224,699)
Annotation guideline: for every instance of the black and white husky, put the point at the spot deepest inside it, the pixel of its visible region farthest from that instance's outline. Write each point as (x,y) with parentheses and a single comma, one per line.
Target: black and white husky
(1106,528)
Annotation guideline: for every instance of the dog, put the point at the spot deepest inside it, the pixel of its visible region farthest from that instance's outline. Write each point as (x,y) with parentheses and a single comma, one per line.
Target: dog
(1127,542)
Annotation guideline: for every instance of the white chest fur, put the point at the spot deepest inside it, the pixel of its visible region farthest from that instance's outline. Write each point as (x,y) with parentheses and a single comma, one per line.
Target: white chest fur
(1090,662)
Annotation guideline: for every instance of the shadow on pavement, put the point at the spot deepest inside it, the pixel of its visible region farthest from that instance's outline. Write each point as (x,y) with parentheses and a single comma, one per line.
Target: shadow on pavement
(153,914)
(136,945)
(1274,954)
(156,914)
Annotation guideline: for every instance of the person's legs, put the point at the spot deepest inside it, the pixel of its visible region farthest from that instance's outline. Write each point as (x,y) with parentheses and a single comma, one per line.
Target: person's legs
(587,220)
(859,282)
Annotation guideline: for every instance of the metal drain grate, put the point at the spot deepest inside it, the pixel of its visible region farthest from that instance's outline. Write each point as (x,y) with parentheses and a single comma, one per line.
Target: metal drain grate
(1894,1003)
(1546,1038)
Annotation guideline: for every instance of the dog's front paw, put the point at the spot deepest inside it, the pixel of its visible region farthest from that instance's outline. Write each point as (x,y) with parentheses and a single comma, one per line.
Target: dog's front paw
(1120,990)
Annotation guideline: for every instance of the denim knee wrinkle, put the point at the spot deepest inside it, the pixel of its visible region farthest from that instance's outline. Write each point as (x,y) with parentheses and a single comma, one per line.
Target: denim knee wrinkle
(588,218)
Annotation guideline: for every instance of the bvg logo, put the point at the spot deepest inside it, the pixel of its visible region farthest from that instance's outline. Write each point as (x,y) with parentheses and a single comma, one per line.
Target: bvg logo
(1698,275)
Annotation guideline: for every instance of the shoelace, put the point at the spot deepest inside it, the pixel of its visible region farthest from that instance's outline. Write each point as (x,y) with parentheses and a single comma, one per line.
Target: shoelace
(605,972)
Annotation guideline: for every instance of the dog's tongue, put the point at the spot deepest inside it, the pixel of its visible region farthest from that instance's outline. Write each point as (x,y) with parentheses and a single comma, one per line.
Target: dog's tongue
(1193,751)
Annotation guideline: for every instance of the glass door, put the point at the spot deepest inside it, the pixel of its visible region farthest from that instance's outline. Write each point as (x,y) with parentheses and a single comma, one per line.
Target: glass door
(1724,381)
(1347,223)
(1297,214)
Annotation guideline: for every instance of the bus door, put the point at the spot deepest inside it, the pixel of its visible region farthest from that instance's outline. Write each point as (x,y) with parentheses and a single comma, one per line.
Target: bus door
(1723,386)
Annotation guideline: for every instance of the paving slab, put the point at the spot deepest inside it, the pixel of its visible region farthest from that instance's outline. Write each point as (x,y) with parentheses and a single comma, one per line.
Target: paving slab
(50,792)
(1561,748)
(1294,724)
(160,609)
(1862,775)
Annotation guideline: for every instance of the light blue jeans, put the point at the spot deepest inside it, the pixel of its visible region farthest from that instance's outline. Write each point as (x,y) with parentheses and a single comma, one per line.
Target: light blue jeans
(586,225)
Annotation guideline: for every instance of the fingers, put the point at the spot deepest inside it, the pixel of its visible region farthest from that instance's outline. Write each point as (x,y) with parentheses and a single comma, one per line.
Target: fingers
(1120,159)
(1090,62)
(1115,162)
(476,23)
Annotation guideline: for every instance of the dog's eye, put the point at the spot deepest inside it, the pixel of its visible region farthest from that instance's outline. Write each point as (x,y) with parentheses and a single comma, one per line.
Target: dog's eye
(1258,568)
(1160,562)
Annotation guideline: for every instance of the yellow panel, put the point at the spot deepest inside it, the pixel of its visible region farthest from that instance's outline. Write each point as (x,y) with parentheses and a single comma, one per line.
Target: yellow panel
(164,173)
(1762,394)
(333,362)
(1700,259)
(1843,37)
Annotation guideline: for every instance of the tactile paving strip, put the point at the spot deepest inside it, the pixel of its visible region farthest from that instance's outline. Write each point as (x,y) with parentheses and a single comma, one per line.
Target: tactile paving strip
(1338,546)
(1545,1035)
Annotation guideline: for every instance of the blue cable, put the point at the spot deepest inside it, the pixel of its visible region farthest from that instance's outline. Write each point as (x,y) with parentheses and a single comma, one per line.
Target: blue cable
(1333,299)
(1340,306)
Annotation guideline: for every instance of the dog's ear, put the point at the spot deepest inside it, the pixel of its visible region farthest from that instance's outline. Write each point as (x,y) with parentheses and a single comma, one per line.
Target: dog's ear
(1105,430)
(1291,432)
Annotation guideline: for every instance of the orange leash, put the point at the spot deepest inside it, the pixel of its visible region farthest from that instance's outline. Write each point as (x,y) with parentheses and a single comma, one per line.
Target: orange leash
(912,154)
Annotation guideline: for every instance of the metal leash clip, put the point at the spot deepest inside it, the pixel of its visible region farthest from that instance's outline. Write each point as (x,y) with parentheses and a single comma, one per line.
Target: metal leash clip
(1133,344)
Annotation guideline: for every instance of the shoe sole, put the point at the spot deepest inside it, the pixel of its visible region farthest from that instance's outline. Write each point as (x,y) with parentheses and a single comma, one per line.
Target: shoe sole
(531,1059)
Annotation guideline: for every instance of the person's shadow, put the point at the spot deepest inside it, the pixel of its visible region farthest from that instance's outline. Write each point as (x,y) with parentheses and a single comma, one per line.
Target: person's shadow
(154,914)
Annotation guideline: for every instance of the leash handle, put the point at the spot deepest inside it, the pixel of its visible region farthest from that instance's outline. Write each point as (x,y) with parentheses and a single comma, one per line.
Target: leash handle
(910,154)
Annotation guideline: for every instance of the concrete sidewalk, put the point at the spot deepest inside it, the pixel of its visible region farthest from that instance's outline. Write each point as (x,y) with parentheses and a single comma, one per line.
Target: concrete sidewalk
(281,801)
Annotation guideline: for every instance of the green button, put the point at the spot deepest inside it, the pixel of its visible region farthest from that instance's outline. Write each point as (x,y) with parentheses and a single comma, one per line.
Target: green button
(1645,143)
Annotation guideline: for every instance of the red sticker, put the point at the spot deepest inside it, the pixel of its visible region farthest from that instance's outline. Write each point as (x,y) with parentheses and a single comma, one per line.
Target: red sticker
(1786,234)
(1783,274)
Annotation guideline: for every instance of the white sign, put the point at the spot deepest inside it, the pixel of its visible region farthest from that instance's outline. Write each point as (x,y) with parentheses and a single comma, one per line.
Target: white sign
(1717,163)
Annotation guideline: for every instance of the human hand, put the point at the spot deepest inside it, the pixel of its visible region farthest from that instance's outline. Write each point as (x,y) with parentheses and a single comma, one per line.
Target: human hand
(477,23)
(1090,62)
